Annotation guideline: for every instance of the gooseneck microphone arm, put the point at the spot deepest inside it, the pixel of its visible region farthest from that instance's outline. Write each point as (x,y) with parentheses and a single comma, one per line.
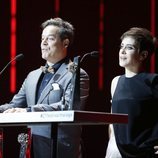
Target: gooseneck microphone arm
(92,54)
(75,81)
(18,57)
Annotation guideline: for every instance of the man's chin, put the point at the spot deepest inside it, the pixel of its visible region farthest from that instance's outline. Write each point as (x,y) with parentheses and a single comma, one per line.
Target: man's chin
(45,57)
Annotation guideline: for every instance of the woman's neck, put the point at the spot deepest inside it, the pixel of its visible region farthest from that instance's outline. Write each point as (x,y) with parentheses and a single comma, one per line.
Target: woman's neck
(131,73)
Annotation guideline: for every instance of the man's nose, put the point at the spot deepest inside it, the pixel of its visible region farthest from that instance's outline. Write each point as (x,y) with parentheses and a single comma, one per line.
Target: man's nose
(44,41)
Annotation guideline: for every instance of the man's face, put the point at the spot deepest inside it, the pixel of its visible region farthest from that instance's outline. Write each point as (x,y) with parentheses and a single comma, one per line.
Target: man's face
(52,47)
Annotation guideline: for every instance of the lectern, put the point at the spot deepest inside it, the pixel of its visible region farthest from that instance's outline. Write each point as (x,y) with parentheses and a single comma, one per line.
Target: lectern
(59,118)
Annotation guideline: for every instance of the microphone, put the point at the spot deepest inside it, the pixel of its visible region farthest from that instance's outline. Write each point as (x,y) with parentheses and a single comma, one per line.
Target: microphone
(17,58)
(92,54)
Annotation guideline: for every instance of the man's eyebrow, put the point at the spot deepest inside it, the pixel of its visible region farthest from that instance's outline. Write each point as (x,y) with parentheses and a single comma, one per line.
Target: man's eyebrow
(126,44)
(130,45)
(48,35)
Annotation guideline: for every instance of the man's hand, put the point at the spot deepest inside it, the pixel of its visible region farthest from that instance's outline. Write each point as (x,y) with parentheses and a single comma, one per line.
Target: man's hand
(14,110)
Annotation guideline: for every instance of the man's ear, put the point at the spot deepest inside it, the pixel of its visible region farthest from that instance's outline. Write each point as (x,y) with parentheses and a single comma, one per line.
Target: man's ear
(66,43)
(143,55)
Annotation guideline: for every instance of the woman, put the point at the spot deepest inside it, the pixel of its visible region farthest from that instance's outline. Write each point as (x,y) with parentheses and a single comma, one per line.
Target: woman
(135,93)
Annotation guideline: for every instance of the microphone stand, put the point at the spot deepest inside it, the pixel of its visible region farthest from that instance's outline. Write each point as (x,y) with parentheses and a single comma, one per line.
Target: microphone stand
(18,57)
(75,85)
(75,81)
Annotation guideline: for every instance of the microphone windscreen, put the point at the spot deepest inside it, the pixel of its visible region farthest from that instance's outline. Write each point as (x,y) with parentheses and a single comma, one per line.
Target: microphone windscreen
(94,54)
(19,56)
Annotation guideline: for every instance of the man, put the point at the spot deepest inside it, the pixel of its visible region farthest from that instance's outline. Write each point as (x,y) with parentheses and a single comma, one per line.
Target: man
(50,91)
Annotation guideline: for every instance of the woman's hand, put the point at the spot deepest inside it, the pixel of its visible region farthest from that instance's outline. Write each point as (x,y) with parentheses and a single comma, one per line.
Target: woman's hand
(156,149)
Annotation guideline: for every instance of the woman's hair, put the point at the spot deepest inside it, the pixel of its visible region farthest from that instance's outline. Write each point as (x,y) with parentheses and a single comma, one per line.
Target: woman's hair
(143,37)
(66,30)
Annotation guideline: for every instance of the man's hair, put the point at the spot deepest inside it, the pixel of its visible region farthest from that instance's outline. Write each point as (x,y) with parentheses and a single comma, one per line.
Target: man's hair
(66,30)
(143,37)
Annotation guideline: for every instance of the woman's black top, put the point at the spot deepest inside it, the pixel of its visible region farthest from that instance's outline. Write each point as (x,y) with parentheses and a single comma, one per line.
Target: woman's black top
(138,97)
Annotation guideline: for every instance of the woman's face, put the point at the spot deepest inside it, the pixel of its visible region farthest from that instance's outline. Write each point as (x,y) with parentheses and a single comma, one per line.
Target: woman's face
(129,56)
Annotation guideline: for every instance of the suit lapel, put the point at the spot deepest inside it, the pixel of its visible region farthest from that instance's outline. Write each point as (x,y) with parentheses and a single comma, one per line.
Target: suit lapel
(56,78)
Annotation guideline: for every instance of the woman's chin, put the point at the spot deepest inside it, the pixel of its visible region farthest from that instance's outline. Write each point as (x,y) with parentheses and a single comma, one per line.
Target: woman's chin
(122,65)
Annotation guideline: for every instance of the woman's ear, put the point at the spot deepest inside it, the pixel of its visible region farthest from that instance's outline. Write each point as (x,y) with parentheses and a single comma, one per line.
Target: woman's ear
(143,55)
